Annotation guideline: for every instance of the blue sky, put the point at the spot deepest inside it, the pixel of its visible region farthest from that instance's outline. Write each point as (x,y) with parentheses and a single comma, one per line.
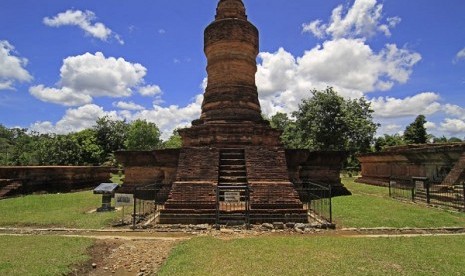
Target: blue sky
(65,63)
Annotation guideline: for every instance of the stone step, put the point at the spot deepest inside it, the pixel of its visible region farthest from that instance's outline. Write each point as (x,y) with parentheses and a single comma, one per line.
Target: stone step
(232,150)
(239,184)
(232,168)
(238,155)
(227,173)
(232,162)
(230,179)
(9,188)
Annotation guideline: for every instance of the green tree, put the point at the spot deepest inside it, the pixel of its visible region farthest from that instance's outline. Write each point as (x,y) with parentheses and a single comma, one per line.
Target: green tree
(174,142)
(329,122)
(454,140)
(143,135)
(387,140)
(6,145)
(415,133)
(111,136)
(289,135)
(89,151)
(23,147)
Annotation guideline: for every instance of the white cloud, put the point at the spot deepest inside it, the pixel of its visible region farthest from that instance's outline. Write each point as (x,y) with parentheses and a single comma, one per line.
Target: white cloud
(389,128)
(362,20)
(348,65)
(87,76)
(84,20)
(64,96)
(460,55)
(128,106)
(345,61)
(166,118)
(150,90)
(11,67)
(454,110)
(171,117)
(423,103)
(430,125)
(75,120)
(453,126)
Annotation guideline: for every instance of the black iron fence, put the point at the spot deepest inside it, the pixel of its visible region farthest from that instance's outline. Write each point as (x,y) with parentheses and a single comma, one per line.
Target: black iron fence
(317,198)
(147,200)
(421,189)
(234,203)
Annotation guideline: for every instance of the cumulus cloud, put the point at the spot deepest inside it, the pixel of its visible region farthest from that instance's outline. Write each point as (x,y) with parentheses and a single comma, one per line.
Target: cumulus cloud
(128,106)
(344,61)
(83,20)
(362,20)
(453,126)
(169,118)
(166,118)
(460,55)
(150,90)
(11,67)
(348,65)
(92,75)
(423,103)
(454,110)
(75,120)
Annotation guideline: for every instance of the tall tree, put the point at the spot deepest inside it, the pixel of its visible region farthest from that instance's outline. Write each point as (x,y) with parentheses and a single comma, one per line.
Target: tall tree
(329,122)
(289,136)
(415,133)
(143,135)
(111,136)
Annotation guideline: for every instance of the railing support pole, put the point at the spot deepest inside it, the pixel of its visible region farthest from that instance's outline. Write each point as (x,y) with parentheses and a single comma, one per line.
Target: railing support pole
(390,193)
(463,190)
(134,211)
(217,222)
(330,205)
(428,198)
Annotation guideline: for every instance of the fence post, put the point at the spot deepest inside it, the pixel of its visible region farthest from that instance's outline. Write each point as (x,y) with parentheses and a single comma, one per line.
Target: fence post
(217,223)
(428,199)
(413,189)
(330,205)
(390,193)
(463,189)
(134,211)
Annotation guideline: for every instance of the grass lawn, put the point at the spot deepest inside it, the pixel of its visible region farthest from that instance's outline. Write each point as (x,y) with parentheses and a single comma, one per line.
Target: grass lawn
(59,210)
(370,206)
(316,255)
(41,255)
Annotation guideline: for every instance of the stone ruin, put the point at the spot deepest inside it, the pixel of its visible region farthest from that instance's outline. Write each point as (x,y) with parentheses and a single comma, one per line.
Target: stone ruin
(442,164)
(231,144)
(32,179)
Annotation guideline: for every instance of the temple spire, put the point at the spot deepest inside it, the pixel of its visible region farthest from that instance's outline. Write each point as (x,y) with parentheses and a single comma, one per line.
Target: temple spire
(230,9)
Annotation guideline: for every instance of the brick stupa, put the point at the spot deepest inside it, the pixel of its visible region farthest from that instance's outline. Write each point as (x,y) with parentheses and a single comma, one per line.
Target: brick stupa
(230,144)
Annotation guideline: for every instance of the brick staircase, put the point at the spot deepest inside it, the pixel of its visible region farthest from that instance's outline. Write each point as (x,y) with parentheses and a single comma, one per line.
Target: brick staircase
(8,186)
(232,179)
(232,171)
(457,173)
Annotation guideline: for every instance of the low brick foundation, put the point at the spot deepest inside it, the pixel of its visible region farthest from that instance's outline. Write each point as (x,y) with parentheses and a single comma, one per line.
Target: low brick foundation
(31,179)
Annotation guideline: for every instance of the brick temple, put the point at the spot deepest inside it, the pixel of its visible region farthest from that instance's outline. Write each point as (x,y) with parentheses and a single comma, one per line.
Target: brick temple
(231,145)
